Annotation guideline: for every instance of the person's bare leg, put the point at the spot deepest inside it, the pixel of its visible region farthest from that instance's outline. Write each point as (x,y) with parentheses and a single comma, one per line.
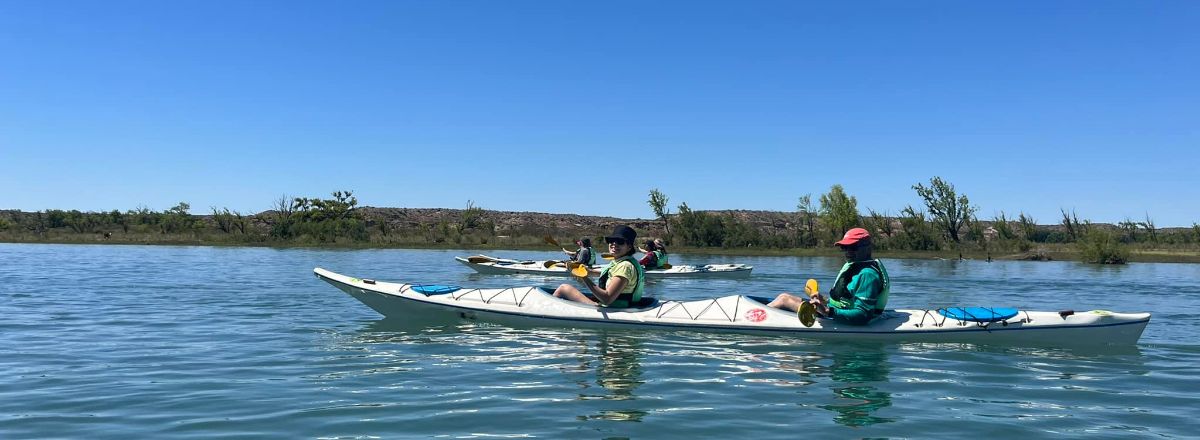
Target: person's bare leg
(571,293)
(786,301)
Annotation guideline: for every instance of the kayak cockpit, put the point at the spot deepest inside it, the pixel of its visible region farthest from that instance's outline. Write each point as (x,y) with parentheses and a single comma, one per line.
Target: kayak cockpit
(647,302)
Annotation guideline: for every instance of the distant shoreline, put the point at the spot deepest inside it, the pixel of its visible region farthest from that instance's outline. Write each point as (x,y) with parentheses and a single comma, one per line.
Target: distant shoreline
(1061,252)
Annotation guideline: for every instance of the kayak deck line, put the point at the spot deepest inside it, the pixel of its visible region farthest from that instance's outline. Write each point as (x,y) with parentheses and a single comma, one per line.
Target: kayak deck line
(536,305)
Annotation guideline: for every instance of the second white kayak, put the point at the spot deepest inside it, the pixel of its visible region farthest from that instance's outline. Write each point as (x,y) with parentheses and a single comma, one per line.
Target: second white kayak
(504,266)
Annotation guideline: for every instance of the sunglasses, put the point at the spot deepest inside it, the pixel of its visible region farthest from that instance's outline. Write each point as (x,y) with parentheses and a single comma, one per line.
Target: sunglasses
(616,241)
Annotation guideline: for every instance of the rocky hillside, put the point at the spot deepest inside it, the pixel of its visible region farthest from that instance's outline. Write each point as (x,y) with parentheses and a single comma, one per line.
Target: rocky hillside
(517,223)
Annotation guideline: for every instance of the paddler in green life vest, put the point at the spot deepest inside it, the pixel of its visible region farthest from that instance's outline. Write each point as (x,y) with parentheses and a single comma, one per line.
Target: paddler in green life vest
(584,255)
(621,283)
(656,255)
(860,291)
(655,258)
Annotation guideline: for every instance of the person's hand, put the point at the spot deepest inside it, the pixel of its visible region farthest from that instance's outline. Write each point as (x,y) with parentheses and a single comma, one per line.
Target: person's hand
(818,301)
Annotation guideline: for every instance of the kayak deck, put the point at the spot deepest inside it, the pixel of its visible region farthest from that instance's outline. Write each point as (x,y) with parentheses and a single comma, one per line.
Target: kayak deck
(734,313)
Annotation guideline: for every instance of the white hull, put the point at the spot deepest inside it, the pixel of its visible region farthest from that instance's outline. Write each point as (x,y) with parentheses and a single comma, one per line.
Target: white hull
(501,266)
(738,314)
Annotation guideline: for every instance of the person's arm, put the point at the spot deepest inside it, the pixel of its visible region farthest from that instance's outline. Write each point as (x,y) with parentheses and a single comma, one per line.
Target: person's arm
(616,283)
(571,253)
(864,287)
(607,296)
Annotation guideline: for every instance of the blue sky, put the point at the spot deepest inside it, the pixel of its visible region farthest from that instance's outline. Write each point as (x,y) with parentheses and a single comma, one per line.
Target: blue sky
(583,107)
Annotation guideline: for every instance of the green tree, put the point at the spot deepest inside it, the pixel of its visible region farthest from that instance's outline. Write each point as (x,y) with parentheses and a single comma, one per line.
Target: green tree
(223,218)
(880,226)
(658,203)
(1130,228)
(144,217)
(1004,230)
(56,218)
(472,217)
(1028,226)
(975,230)
(808,221)
(340,207)
(948,210)
(283,209)
(324,220)
(120,219)
(736,233)
(239,222)
(916,233)
(1075,229)
(176,219)
(839,212)
(1101,247)
(82,222)
(698,228)
(1148,225)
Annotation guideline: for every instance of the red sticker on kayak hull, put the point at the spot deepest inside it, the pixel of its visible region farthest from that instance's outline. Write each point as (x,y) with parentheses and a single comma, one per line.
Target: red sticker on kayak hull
(756,315)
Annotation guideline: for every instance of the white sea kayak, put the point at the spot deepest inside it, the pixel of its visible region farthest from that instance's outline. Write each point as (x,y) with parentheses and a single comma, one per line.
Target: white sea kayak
(504,266)
(533,305)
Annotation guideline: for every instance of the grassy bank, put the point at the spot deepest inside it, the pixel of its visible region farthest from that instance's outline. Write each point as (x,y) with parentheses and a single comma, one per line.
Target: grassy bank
(1050,252)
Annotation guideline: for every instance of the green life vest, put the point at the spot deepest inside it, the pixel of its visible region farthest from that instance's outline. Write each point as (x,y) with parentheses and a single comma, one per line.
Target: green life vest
(591,257)
(626,299)
(841,297)
(660,259)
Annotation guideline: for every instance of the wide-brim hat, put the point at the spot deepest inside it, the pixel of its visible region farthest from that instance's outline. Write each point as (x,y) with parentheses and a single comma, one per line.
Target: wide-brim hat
(623,232)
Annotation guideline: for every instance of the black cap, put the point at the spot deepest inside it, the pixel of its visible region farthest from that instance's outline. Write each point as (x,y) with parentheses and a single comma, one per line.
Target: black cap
(623,232)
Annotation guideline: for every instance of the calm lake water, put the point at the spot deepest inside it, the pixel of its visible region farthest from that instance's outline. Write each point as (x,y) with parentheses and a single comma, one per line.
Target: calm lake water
(178,342)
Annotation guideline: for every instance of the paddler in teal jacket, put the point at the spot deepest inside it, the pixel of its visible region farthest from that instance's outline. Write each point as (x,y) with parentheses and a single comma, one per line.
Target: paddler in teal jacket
(860,291)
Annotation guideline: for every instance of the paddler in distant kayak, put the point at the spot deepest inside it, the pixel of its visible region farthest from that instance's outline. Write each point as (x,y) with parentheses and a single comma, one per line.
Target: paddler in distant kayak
(584,255)
(621,283)
(861,290)
(656,254)
(650,260)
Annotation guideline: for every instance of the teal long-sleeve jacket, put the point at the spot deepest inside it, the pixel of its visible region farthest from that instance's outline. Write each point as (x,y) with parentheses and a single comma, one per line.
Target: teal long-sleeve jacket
(868,289)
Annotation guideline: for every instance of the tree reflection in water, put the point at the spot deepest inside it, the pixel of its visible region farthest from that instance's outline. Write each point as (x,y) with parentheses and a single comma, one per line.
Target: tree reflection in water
(618,373)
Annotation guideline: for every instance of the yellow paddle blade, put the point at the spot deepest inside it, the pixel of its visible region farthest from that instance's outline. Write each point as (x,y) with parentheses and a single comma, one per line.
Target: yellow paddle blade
(550,240)
(607,256)
(811,288)
(551,263)
(807,314)
(578,270)
(666,265)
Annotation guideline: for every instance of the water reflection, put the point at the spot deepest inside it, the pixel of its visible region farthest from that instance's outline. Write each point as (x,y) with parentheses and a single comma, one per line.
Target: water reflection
(856,373)
(616,359)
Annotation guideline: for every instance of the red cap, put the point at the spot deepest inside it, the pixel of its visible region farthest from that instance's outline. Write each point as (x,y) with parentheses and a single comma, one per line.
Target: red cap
(854,236)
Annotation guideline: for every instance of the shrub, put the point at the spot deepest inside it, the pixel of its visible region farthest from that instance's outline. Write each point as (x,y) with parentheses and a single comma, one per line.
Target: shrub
(1102,247)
